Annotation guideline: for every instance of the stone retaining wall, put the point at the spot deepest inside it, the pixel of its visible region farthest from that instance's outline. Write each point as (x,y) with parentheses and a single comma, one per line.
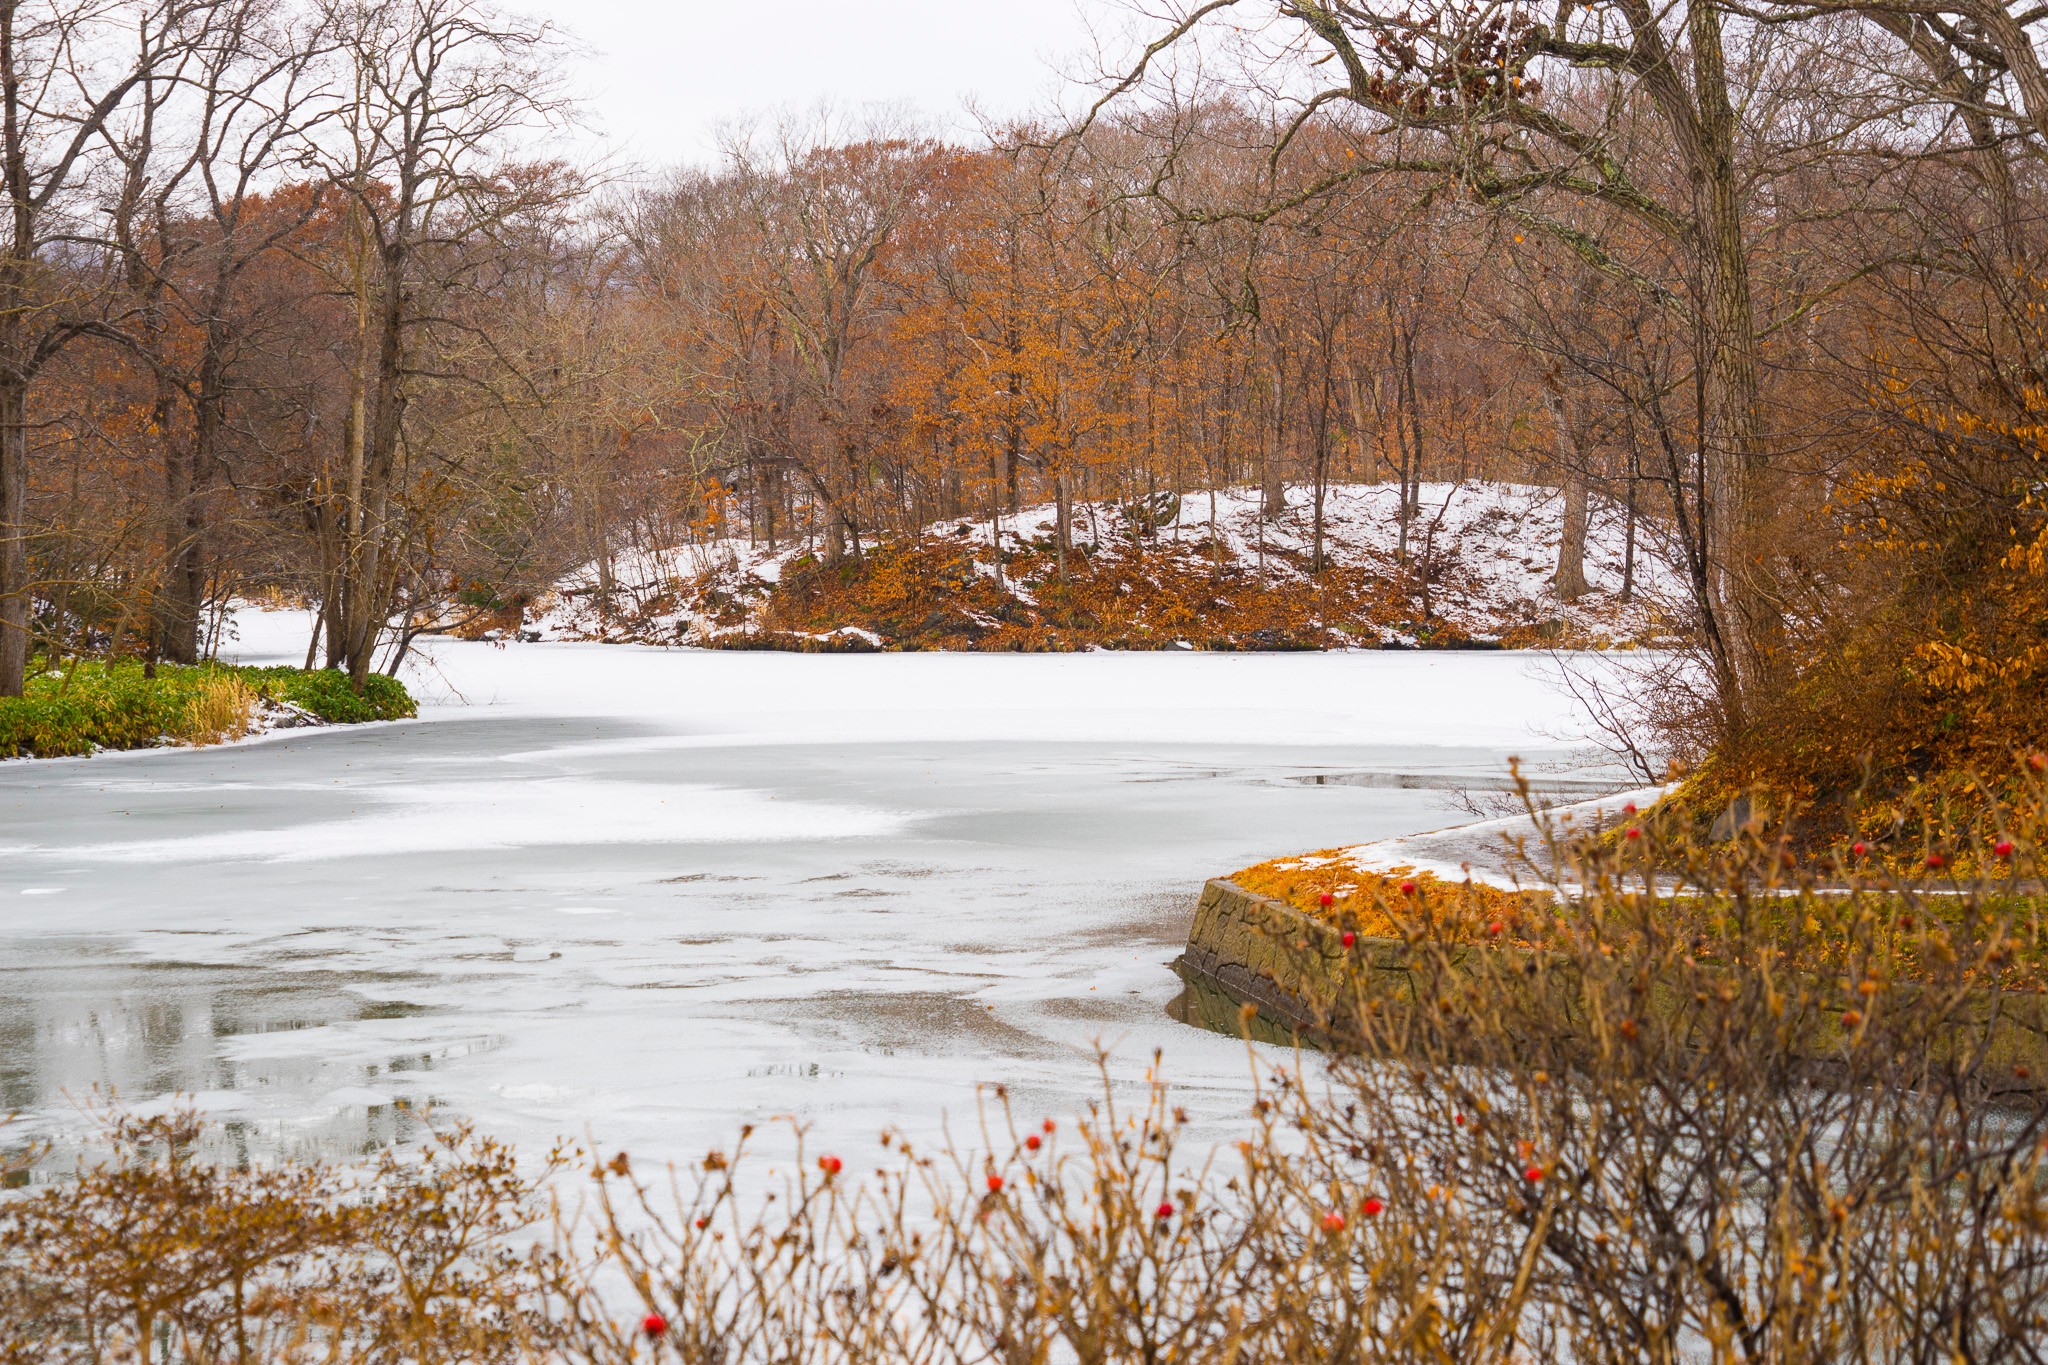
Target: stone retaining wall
(1300,978)
(1291,967)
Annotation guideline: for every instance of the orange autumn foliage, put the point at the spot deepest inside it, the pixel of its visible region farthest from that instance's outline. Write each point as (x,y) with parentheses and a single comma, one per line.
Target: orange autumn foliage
(1375,904)
(1921,655)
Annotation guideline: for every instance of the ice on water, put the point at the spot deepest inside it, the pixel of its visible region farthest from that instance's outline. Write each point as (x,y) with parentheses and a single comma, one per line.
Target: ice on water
(650,895)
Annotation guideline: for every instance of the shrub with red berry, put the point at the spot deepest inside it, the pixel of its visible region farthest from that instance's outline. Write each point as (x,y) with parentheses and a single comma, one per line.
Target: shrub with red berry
(1733,1085)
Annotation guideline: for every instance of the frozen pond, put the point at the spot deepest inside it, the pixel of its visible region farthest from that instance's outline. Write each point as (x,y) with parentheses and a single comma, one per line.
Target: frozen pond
(651,895)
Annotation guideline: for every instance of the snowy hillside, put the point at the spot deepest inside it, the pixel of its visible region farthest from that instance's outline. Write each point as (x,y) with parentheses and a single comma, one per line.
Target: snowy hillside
(1200,570)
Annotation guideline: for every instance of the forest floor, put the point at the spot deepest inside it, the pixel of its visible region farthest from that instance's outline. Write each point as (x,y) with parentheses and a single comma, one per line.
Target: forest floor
(1193,571)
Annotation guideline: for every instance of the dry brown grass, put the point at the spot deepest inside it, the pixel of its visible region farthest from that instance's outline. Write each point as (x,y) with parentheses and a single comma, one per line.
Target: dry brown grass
(220,709)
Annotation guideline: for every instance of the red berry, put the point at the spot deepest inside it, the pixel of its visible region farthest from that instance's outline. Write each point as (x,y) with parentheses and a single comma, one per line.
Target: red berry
(1493,929)
(1458,1119)
(1407,888)
(1934,860)
(1163,1211)
(830,1165)
(1851,1018)
(1349,938)
(1032,1143)
(1333,1221)
(1326,899)
(1632,833)
(1048,1125)
(1859,848)
(1629,809)
(654,1324)
(2003,848)
(995,1184)
(1371,1207)
(1533,1174)
(703,1223)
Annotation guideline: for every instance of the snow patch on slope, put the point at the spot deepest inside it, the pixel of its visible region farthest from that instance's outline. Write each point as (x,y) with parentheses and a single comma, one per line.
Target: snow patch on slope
(1490,548)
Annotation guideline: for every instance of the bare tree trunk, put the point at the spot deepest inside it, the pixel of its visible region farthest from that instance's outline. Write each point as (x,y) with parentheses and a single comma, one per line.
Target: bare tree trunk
(1273,477)
(1354,393)
(995,537)
(1628,550)
(1321,491)
(1063,518)
(1215,541)
(1731,440)
(1409,430)
(1013,460)
(1412,503)
(373,457)
(184,586)
(14,612)
(1569,581)
(1403,506)
(832,538)
(1403,509)
(1321,472)
(327,517)
(190,481)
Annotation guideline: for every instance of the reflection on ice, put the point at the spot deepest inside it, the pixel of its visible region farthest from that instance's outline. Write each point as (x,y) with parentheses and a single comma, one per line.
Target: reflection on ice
(76,1028)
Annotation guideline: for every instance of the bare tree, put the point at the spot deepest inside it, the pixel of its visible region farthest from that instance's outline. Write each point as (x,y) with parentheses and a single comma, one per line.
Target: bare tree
(68,68)
(825,209)
(1622,133)
(191,222)
(437,93)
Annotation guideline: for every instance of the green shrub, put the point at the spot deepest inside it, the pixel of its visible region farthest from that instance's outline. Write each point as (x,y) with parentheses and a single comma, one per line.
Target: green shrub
(91,704)
(326,693)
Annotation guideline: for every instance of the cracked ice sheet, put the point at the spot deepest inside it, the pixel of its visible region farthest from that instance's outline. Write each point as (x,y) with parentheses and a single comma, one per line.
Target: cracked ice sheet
(651,895)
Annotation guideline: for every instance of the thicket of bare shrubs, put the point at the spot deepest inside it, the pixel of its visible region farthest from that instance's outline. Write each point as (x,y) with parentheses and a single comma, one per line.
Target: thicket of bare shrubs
(1740,1110)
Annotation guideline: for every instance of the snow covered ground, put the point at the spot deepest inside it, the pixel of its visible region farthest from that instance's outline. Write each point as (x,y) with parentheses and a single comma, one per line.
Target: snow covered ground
(650,895)
(1512,852)
(1493,548)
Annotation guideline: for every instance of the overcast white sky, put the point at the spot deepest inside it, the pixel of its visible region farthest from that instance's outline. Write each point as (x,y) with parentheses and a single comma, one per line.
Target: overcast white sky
(663,73)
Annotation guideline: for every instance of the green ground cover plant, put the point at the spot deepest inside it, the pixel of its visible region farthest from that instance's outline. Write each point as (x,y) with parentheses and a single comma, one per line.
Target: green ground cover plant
(83,705)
